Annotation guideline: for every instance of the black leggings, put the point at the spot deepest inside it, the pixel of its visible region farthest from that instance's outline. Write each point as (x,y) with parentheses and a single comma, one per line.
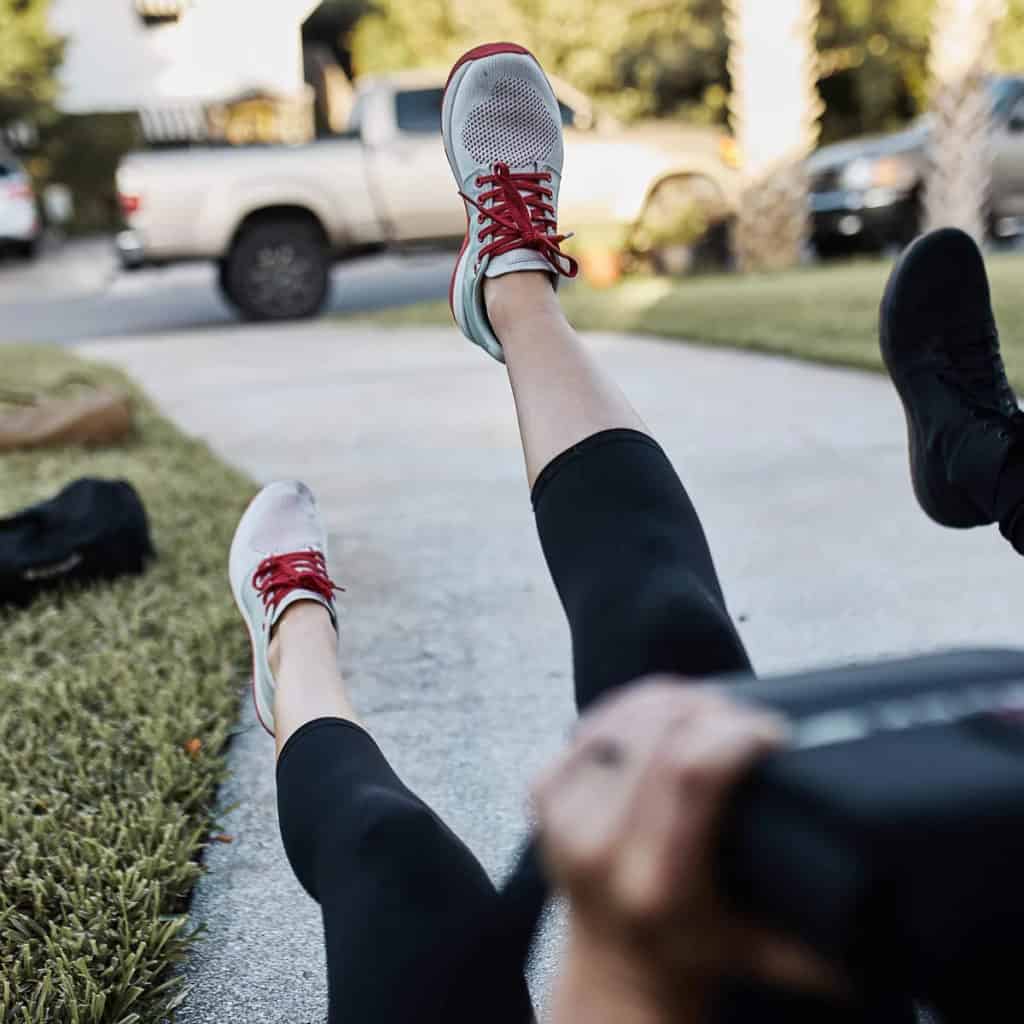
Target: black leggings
(404,901)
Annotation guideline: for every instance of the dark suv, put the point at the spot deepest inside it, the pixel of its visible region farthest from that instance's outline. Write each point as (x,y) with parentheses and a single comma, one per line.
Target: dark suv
(866,193)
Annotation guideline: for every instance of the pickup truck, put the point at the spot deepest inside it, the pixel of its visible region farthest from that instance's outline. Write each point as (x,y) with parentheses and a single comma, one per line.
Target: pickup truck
(866,193)
(274,218)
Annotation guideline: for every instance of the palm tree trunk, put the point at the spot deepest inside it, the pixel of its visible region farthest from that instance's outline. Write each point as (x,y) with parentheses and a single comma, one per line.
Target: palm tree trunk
(960,171)
(774,110)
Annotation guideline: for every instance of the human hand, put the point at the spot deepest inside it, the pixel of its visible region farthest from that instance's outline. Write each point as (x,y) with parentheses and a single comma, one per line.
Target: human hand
(628,821)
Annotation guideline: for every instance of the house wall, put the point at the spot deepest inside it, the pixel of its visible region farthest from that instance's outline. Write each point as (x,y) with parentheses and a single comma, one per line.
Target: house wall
(219,48)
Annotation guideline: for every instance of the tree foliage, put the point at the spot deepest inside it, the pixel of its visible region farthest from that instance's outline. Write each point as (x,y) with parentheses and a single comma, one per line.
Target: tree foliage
(29,58)
(665,57)
(648,57)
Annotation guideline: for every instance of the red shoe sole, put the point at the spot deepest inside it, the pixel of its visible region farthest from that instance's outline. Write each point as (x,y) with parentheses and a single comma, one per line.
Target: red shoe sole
(477,53)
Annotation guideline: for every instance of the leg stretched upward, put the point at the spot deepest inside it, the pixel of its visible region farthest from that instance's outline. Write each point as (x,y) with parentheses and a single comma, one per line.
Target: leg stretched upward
(622,540)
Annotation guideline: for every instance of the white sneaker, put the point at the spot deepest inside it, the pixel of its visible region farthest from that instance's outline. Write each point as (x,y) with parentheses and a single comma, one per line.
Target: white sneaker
(502,130)
(278,557)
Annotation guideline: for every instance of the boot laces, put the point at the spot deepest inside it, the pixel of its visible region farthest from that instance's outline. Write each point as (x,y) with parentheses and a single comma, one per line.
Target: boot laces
(278,575)
(980,372)
(521,216)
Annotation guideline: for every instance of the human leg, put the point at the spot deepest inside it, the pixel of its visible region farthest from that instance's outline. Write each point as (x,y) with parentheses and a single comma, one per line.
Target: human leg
(405,904)
(624,544)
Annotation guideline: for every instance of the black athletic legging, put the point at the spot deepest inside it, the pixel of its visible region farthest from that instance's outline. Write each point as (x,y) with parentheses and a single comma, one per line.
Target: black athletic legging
(404,901)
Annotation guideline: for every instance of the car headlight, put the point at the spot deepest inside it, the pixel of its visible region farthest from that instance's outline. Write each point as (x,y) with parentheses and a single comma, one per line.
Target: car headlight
(891,172)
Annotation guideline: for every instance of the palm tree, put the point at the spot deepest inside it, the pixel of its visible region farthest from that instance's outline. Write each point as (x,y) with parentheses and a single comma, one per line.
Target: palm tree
(774,110)
(963,34)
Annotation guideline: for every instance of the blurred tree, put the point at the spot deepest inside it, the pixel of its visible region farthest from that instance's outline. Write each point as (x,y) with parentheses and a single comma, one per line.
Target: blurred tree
(1010,39)
(873,64)
(775,110)
(651,57)
(963,48)
(647,57)
(29,57)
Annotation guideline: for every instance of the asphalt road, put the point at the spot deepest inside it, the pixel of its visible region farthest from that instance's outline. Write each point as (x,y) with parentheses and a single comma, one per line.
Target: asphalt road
(75,292)
(453,639)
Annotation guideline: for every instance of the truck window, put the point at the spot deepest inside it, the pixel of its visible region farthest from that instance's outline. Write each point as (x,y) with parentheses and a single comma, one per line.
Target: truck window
(419,110)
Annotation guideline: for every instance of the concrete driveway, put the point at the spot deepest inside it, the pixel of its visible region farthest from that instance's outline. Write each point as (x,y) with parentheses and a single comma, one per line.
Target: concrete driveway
(454,641)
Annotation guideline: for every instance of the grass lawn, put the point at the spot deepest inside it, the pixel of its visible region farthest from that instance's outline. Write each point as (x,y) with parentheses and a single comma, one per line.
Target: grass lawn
(115,705)
(824,313)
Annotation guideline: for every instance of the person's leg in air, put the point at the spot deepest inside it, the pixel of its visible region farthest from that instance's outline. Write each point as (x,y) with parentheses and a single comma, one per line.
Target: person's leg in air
(624,544)
(965,431)
(404,901)
(625,547)
(941,347)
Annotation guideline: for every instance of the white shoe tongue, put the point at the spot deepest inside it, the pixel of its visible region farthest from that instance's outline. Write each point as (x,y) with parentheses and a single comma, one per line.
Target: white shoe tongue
(517,260)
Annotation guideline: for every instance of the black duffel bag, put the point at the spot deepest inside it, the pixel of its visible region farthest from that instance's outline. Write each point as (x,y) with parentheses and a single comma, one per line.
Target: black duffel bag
(889,836)
(92,530)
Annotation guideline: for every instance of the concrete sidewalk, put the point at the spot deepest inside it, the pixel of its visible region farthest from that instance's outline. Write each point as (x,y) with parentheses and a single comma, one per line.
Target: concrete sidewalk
(454,641)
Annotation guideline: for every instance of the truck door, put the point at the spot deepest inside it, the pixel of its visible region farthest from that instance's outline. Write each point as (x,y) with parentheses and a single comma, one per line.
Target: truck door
(414,188)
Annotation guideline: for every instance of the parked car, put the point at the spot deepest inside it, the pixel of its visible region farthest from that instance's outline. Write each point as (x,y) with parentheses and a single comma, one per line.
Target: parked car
(20,228)
(275,218)
(867,193)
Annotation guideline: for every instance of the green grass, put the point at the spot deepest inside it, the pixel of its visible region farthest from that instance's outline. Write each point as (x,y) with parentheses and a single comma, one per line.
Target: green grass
(825,313)
(104,802)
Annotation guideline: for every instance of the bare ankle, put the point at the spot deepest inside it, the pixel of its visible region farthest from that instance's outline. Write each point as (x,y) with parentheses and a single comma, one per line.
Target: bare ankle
(508,297)
(304,622)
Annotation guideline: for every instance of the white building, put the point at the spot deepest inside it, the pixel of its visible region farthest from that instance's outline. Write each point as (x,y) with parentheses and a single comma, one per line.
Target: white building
(167,56)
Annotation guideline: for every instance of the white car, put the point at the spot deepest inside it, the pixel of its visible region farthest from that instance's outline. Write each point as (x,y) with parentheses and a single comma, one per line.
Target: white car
(19,216)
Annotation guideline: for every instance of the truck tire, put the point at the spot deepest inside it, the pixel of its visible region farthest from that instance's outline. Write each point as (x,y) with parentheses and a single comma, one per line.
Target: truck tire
(278,269)
(27,250)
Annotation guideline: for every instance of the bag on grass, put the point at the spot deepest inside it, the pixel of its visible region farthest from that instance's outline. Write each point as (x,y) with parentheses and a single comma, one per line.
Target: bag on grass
(92,530)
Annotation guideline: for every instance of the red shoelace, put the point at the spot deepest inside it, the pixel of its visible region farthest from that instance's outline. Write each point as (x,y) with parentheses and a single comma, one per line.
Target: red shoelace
(277,576)
(521,216)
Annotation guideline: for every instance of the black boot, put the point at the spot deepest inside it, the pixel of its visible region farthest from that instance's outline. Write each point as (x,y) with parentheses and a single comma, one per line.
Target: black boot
(941,346)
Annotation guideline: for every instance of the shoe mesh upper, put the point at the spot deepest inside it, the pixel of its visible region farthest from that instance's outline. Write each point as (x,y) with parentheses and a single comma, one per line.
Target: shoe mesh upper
(513,126)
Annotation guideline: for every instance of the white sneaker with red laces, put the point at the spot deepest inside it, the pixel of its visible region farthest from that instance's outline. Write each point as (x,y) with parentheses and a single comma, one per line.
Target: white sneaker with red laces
(278,557)
(502,133)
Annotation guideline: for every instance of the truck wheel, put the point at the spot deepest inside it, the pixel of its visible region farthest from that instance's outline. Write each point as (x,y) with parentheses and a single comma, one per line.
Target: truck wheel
(27,250)
(278,270)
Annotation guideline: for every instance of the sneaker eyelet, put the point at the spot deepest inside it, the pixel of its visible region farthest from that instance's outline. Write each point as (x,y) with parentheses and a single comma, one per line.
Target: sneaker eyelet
(479,182)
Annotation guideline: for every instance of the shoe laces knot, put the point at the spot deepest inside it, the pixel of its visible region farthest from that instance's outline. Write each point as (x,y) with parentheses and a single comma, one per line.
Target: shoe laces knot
(521,216)
(278,575)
